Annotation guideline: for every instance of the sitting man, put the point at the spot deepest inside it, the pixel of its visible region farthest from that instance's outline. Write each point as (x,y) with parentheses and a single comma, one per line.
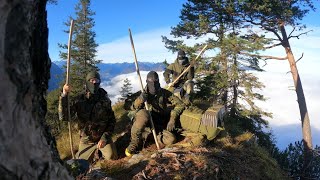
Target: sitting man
(95,118)
(184,86)
(164,109)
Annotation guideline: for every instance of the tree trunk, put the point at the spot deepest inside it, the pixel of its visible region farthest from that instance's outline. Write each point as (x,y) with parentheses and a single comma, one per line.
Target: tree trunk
(306,130)
(27,148)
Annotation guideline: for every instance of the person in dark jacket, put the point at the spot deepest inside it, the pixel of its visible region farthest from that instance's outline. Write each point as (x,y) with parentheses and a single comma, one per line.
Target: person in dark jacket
(164,109)
(184,86)
(95,117)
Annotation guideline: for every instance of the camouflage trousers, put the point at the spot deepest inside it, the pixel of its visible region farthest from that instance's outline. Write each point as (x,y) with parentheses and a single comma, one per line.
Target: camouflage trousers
(87,149)
(184,92)
(141,128)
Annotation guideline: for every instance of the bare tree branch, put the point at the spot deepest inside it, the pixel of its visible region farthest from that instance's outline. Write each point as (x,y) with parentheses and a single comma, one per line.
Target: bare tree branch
(272,46)
(297,36)
(299,58)
(265,57)
(294,28)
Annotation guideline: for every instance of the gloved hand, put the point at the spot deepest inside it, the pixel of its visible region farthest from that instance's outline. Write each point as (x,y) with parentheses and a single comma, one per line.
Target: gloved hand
(144,96)
(170,84)
(171,125)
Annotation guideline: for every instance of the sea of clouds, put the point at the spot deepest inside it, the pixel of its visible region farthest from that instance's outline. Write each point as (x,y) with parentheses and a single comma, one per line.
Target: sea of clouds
(282,99)
(282,102)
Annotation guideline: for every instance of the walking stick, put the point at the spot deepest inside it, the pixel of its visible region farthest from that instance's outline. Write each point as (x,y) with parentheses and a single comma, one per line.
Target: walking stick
(142,90)
(187,69)
(67,82)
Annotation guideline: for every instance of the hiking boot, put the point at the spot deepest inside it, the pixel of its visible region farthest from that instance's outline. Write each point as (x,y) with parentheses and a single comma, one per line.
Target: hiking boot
(128,153)
(131,149)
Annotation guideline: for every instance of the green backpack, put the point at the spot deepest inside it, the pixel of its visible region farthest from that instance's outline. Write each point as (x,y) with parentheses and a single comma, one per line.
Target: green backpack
(206,123)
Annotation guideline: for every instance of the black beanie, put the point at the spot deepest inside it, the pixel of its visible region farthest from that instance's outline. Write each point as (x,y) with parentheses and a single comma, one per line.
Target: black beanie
(153,82)
(181,54)
(152,76)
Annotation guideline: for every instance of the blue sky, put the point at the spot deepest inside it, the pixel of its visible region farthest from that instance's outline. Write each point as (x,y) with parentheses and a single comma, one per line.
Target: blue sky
(113,18)
(149,20)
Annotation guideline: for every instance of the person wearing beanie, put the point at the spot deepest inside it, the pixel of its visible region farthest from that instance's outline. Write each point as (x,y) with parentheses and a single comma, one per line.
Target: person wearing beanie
(184,86)
(165,109)
(95,117)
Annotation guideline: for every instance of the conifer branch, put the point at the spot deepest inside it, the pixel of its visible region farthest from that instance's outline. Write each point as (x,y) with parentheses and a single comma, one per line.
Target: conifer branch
(264,57)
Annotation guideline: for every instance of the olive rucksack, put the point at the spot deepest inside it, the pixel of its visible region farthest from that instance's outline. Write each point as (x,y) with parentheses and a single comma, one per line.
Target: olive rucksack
(203,123)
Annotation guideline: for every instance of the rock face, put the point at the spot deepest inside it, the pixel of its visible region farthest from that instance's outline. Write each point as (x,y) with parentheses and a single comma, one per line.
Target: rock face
(27,150)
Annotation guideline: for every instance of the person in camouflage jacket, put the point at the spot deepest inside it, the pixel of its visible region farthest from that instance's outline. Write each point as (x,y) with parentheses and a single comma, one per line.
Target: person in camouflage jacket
(184,87)
(165,109)
(95,117)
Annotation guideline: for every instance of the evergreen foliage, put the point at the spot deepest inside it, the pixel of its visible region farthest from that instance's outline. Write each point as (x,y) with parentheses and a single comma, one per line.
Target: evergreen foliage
(223,77)
(83,53)
(230,27)
(126,90)
(165,63)
(52,118)
(291,160)
(83,46)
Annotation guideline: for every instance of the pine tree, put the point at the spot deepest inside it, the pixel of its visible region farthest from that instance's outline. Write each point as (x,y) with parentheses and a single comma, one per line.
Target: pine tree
(273,17)
(83,46)
(125,90)
(165,63)
(83,52)
(223,75)
(291,159)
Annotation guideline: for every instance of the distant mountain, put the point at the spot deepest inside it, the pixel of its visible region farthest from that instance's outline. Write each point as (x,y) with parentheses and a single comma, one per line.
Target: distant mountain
(107,70)
(56,76)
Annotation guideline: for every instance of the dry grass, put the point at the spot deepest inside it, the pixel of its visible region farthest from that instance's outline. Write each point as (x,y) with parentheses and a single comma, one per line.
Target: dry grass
(63,144)
(223,158)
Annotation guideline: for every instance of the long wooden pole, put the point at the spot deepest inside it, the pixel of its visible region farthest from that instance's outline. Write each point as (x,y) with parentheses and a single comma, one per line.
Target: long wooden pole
(142,90)
(187,69)
(67,82)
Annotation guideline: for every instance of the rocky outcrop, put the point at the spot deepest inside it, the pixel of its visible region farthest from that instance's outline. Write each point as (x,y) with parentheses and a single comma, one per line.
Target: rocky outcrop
(27,150)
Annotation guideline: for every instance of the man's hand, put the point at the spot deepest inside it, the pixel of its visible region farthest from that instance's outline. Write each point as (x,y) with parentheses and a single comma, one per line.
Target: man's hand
(170,84)
(66,89)
(170,125)
(101,144)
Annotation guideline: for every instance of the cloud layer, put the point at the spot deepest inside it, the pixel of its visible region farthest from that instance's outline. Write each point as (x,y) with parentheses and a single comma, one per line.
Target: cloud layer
(279,89)
(285,124)
(148,45)
(114,86)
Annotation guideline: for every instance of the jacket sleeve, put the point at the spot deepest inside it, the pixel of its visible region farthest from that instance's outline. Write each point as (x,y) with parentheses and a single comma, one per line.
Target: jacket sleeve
(62,108)
(191,73)
(179,106)
(138,103)
(167,72)
(110,120)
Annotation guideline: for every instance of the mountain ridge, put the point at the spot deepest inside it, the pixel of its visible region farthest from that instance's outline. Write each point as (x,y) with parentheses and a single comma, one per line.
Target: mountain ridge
(107,70)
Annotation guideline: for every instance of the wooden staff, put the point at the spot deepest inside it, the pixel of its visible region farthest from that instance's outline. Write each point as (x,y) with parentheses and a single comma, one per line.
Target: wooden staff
(142,90)
(187,69)
(67,82)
